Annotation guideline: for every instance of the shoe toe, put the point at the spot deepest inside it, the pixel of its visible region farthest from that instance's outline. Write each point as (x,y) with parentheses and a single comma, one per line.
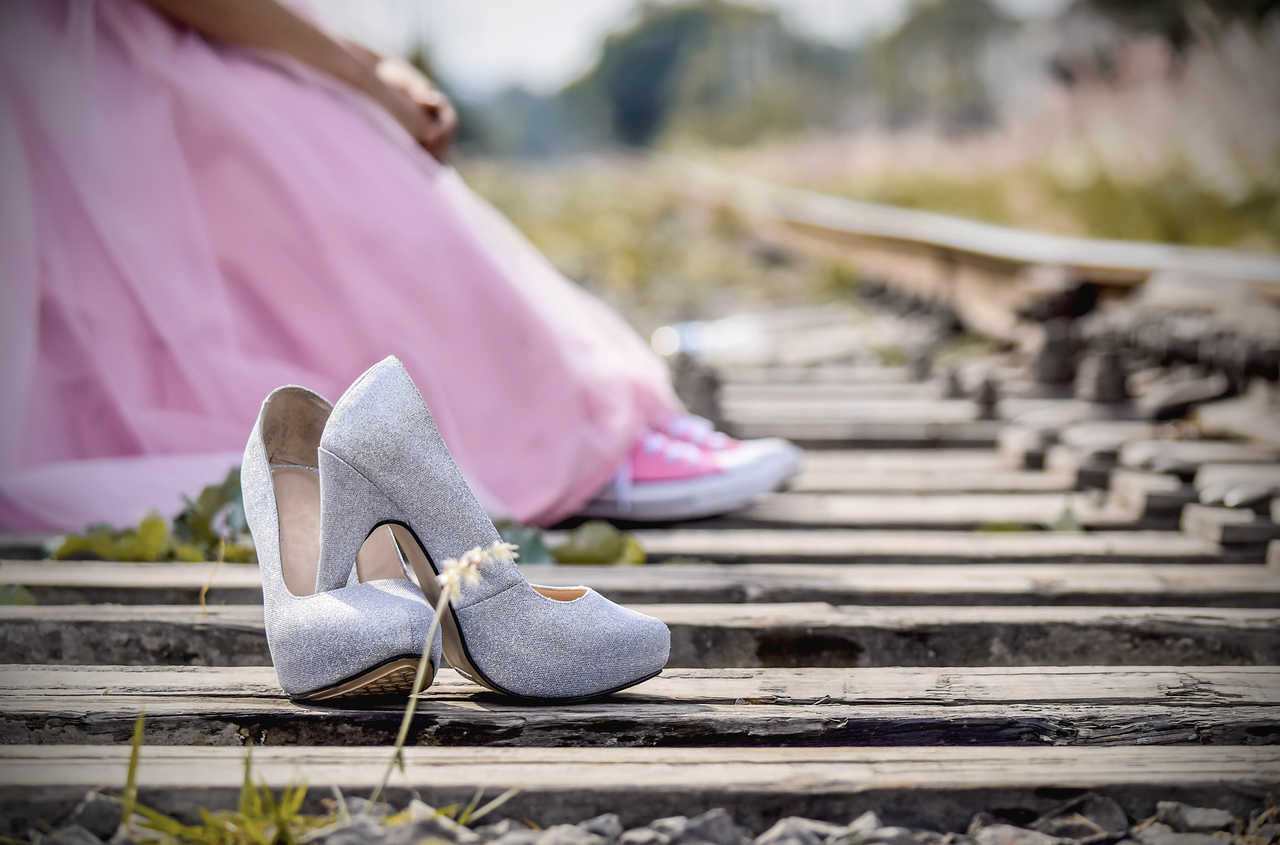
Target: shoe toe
(769,462)
(533,646)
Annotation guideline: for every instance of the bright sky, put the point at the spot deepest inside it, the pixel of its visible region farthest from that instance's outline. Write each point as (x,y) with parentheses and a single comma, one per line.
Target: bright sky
(483,46)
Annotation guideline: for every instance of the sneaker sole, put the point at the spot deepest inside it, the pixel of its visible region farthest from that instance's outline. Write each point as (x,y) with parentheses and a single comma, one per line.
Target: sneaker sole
(697,498)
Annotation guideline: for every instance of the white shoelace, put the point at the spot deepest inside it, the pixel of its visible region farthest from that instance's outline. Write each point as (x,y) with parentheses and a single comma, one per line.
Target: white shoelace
(673,450)
(698,431)
(652,442)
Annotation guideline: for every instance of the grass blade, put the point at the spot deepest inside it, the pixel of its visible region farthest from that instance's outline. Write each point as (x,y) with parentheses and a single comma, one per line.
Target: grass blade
(204,591)
(250,805)
(294,805)
(397,759)
(343,814)
(495,804)
(475,800)
(130,798)
(161,823)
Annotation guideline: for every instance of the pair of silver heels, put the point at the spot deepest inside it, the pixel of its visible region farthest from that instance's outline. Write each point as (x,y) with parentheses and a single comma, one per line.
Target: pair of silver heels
(342,617)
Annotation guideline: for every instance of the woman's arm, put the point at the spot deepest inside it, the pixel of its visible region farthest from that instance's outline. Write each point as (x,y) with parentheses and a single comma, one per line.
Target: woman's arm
(407,95)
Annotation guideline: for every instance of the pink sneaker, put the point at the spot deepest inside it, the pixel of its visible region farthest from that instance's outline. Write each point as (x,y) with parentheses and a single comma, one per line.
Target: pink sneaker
(658,457)
(669,479)
(773,454)
(697,430)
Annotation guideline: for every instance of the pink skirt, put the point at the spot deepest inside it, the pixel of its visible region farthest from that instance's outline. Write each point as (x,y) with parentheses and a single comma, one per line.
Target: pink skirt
(184,227)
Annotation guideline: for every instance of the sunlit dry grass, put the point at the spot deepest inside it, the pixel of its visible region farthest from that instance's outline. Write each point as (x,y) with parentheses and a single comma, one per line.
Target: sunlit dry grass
(610,224)
(1172,148)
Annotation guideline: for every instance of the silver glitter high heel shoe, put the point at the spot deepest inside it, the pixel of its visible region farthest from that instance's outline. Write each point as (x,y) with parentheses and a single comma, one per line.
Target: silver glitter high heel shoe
(346,641)
(382,462)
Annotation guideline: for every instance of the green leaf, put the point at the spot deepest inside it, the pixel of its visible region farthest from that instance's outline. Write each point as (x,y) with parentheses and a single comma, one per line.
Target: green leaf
(240,553)
(533,546)
(204,524)
(16,594)
(598,543)
(149,540)
(188,553)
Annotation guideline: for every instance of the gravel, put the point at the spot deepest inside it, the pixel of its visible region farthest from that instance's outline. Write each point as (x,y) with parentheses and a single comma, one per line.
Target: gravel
(1086,820)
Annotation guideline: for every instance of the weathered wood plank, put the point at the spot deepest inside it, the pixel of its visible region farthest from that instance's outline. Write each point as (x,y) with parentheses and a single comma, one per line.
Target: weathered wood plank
(936,788)
(818,635)
(939,512)
(872,546)
(1135,453)
(825,374)
(1105,584)
(883,707)
(1249,416)
(95,582)
(1166,686)
(855,410)
(783,394)
(815,478)
(718,635)
(901,460)
(1211,474)
(1149,494)
(816,431)
(954,511)
(1228,525)
(24,545)
(915,471)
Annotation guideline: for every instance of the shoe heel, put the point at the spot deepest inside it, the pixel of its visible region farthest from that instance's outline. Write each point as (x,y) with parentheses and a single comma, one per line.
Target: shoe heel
(351,508)
(424,570)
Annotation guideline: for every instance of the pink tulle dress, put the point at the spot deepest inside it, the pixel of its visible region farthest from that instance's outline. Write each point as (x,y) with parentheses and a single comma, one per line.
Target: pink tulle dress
(186,226)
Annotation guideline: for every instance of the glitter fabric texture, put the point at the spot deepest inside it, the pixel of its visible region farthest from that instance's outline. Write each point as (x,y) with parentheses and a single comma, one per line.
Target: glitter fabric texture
(382,459)
(334,634)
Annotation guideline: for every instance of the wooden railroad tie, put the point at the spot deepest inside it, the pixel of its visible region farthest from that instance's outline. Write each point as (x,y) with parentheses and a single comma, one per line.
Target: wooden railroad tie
(718,635)
(1076,705)
(935,788)
(995,584)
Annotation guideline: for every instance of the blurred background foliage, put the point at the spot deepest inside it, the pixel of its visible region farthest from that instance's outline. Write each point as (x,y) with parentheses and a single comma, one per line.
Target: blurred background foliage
(1133,119)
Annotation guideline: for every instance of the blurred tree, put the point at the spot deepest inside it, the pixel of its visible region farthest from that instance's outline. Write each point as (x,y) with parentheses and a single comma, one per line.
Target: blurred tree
(713,71)
(931,65)
(1175,19)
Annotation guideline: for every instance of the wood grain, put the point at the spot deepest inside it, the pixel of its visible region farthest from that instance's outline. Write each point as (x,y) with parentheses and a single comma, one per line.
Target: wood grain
(726,707)
(1101,584)
(886,546)
(718,635)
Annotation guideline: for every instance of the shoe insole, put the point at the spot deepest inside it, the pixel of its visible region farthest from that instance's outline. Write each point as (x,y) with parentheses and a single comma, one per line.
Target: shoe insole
(297,491)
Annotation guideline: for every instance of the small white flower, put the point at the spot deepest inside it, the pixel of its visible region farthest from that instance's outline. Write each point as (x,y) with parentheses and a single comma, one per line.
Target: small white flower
(463,570)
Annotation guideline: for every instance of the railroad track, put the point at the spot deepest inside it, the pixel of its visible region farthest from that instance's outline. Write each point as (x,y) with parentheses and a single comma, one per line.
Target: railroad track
(993,615)
(1138,663)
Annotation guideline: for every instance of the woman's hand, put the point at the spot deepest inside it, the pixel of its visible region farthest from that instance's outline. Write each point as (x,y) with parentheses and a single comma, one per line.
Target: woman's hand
(410,98)
(418,106)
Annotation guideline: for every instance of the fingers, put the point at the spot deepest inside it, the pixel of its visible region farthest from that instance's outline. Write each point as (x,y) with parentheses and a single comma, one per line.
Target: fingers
(438,130)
